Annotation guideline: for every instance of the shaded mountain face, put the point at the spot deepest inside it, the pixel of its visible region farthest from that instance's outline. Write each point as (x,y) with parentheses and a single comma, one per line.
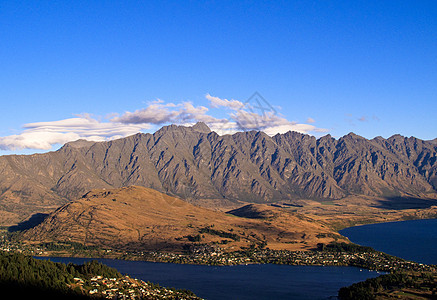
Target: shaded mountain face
(196,164)
(138,218)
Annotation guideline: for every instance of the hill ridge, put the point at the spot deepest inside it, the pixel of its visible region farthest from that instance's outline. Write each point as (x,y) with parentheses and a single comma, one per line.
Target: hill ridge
(139,218)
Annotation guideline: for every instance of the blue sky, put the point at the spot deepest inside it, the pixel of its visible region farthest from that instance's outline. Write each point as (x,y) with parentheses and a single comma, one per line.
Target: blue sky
(105,69)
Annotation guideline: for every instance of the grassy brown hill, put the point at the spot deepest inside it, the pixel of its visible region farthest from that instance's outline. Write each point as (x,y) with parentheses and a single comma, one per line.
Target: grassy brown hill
(205,168)
(142,218)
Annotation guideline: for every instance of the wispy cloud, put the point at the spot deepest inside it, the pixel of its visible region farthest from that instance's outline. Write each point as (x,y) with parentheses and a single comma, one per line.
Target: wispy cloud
(311,120)
(217,102)
(43,135)
(241,116)
(366,119)
(258,116)
(158,113)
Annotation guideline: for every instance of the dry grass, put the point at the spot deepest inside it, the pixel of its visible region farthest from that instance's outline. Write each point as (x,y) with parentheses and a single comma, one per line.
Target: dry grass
(142,218)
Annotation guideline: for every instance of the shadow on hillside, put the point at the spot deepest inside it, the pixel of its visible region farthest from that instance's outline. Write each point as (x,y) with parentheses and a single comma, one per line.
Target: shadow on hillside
(34,220)
(398,203)
(35,290)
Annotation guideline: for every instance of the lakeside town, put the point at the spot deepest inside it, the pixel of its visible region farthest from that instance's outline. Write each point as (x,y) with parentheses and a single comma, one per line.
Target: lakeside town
(337,254)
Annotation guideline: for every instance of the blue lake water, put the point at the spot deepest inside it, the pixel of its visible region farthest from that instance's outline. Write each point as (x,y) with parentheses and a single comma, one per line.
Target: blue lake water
(412,240)
(242,282)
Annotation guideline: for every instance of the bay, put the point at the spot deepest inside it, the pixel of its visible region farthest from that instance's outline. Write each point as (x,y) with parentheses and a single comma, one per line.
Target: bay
(414,240)
(241,282)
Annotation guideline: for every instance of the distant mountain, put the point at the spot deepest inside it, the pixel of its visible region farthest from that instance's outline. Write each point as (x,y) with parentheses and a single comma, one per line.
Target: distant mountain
(138,218)
(205,168)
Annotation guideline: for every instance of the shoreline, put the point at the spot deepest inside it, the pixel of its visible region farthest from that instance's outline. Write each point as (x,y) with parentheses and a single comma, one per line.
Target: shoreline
(387,222)
(366,258)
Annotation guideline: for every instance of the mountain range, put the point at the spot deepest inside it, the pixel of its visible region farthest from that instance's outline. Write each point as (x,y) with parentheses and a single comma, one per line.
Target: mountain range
(208,169)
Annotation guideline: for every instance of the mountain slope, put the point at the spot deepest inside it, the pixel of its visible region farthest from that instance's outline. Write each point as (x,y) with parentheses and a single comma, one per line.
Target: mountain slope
(139,218)
(202,167)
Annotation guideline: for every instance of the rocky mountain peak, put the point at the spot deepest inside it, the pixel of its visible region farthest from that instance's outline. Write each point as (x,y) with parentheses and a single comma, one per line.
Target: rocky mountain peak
(396,138)
(352,135)
(82,143)
(198,127)
(201,127)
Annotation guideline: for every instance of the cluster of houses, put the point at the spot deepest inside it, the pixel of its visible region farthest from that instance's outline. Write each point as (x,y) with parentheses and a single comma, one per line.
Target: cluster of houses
(127,288)
(372,260)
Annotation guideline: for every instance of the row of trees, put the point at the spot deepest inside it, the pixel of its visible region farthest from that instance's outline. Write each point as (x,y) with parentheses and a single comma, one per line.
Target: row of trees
(220,233)
(368,290)
(344,247)
(60,246)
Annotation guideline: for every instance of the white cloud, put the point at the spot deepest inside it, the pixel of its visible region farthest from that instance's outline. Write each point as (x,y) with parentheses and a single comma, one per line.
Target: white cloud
(217,102)
(242,116)
(271,123)
(158,113)
(250,116)
(155,113)
(43,135)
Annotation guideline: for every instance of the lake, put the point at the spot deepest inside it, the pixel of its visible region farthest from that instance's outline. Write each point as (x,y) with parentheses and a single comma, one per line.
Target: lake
(414,240)
(244,281)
